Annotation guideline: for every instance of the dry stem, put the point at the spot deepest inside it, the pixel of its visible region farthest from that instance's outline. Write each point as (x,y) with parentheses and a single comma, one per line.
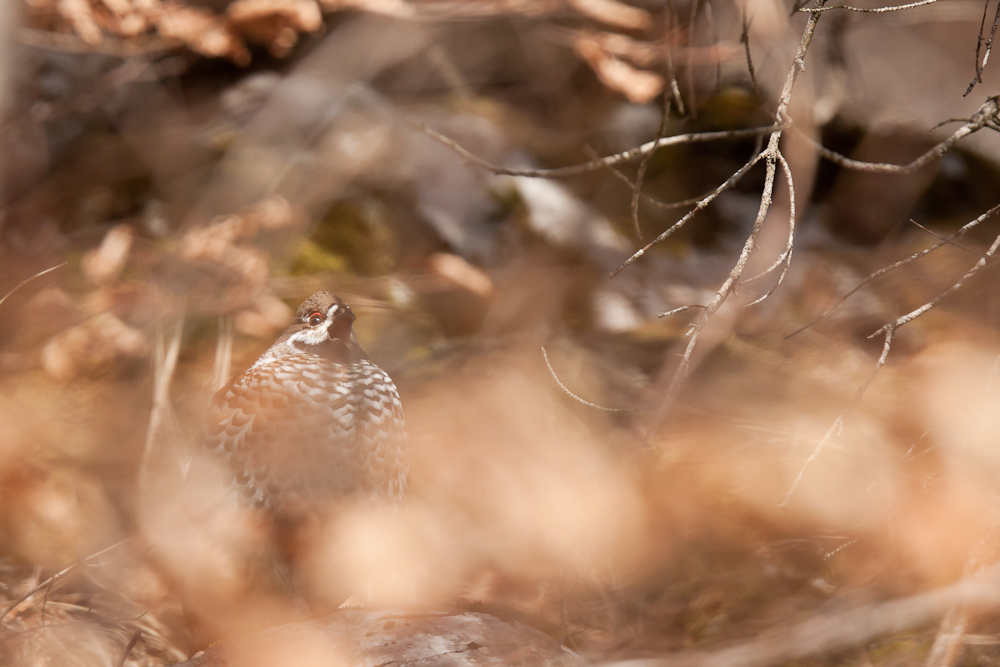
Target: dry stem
(838,631)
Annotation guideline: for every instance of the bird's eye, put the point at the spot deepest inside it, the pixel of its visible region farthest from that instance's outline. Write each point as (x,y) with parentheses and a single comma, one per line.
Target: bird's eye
(316,318)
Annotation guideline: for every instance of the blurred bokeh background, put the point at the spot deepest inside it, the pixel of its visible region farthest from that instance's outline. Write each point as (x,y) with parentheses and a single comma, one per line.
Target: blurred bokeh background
(190,170)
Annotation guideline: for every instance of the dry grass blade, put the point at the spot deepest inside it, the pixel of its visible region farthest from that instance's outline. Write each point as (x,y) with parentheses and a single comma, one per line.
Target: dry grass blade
(59,577)
(577,398)
(838,424)
(136,636)
(29,279)
(223,352)
(165,362)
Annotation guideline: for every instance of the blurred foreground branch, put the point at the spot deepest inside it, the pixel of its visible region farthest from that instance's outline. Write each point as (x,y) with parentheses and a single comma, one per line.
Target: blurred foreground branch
(828,633)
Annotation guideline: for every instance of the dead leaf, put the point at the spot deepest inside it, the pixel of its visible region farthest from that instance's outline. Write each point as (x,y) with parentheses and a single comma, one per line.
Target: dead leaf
(613,13)
(202,32)
(639,86)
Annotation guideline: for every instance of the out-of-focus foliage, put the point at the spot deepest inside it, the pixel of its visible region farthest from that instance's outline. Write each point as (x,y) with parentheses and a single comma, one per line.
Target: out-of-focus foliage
(200,167)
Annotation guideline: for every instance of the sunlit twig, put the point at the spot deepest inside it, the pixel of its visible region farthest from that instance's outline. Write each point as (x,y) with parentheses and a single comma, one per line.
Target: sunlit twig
(871,10)
(29,279)
(886,269)
(593,165)
(577,398)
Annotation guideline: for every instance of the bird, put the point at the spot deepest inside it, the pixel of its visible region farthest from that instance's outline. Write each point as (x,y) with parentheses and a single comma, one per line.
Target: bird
(313,421)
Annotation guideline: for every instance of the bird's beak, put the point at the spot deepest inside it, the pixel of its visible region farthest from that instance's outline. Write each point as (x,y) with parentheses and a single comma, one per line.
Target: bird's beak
(341,326)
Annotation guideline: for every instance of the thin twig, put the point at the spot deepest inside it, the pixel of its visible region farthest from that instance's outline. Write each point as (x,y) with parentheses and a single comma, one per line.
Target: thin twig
(889,331)
(680,309)
(941,237)
(692,17)
(785,258)
(644,164)
(593,165)
(917,312)
(29,279)
(981,64)
(872,10)
(745,40)
(770,155)
(702,203)
(675,88)
(649,199)
(578,399)
(886,269)
(714,36)
(984,116)
(948,642)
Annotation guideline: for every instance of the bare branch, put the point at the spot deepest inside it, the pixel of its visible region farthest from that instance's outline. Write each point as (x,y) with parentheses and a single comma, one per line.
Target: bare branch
(593,165)
(649,199)
(675,87)
(889,331)
(981,65)
(914,314)
(702,203)
(886,269)
(679,309)
(710,17)
(872,10)
(785,258)
(984,116)
(136,636)
(771,157)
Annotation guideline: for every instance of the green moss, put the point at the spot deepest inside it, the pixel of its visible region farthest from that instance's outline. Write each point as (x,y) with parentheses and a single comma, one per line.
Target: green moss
(309,257)
(358,232)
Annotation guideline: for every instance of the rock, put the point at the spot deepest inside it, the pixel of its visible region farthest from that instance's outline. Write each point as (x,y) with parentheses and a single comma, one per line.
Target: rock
(369,638)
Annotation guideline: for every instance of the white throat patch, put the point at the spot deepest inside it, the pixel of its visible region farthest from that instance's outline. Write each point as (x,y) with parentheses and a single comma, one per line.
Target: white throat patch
(317,334)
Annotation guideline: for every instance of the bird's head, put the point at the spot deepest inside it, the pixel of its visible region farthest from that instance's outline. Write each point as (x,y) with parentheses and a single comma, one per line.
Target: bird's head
(323,320)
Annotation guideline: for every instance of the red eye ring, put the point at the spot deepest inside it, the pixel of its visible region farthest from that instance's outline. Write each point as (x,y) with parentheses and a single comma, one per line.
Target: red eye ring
(315,318)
